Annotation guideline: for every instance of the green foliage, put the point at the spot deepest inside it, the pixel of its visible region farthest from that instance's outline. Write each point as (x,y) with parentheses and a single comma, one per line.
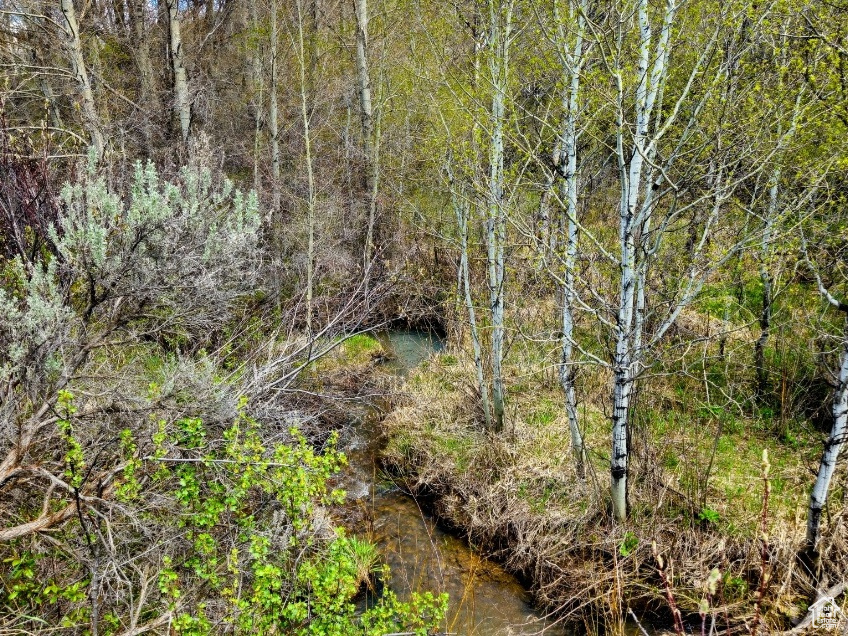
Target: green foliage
(628,544)
(283,572)
(248,534)
(363,555)
(448,359)
(74,458)
(734,587)
(708,515)
(25,591)
(359,345)
(545,414)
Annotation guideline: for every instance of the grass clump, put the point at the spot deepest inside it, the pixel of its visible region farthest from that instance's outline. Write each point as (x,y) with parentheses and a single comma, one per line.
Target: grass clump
(350,359)
(359,349)
(695,490)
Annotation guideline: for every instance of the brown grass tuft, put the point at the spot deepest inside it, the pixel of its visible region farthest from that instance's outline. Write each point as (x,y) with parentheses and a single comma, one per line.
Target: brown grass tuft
(520,498)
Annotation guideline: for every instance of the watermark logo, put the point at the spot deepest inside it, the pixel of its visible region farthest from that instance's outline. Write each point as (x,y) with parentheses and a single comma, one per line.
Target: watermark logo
(826,613)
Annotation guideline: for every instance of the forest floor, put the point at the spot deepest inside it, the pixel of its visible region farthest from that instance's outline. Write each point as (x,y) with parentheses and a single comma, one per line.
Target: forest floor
(696,496)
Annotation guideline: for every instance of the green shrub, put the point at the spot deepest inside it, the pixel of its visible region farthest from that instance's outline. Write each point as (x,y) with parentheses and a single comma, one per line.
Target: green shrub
(230,523)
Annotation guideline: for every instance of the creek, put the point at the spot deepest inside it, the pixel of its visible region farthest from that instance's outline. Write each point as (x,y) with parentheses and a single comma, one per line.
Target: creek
(485,600)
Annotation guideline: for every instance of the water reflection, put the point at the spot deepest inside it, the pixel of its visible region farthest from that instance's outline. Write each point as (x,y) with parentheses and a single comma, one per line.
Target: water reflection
(484,599)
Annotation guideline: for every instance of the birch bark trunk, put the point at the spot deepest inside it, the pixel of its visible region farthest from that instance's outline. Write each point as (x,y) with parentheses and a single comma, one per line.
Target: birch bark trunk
(569,184)
(632,220)
(366,111)
(461,208)
(182,103)
(258,96)
(838,436)
(273,118)
(88,108)
(310,201)
(500,15)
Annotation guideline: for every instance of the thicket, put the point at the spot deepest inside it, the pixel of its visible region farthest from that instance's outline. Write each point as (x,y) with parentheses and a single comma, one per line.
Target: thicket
(139,494)
(629,218)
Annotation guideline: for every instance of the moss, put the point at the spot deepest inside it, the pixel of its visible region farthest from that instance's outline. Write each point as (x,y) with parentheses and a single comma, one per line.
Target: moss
(351,354)
(359,348)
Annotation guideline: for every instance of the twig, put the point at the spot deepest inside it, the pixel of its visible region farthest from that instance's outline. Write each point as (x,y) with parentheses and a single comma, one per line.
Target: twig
(764,552)
(669,595)
(638,624)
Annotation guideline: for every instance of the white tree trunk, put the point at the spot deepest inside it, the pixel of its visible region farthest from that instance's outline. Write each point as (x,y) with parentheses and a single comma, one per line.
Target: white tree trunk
(568,171)
(310,201)
(88,108)
(632,220)
(182,103)
(273,118)
(500,34)
(461,208)
(258,95)
(838,436)
(366,111)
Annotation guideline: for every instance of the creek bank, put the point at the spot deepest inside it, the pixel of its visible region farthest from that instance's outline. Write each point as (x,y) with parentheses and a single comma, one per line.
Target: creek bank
(518,498)
(422,555)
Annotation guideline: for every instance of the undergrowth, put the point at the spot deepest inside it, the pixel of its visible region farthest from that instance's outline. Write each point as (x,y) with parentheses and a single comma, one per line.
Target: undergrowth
(696,492)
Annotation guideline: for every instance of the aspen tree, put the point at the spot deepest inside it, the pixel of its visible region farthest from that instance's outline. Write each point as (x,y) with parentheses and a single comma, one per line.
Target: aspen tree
(839,409)
(88,109)
(826,81)
(307,143)
(565,161)
(650,175)
(366,112)
(462,210)
(499,42)
(258,94)
(182,103)
(771,226)
(273,116)
(651,80)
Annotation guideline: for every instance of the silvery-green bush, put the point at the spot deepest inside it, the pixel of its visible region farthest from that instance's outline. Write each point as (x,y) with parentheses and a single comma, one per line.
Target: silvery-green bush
(168,261)
(172,256)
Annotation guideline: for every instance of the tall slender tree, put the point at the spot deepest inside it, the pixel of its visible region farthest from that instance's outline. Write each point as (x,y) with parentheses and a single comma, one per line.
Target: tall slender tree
(182,101)
(572,56)
(303,56)
(500,14)
(273,115)
(88,108)
(366,113)
(632,219)
(839,410)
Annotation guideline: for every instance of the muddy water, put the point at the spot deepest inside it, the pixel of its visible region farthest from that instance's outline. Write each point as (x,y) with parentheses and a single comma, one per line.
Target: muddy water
(484,599)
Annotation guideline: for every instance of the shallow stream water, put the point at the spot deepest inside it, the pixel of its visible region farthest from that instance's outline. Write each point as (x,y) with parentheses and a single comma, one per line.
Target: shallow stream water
(485,600)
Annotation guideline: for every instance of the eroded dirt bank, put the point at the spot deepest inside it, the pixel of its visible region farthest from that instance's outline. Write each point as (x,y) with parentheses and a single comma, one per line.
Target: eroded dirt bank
(485,599)
(518,498)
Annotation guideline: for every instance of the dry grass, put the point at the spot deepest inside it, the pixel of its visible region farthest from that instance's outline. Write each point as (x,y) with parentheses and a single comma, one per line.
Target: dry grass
(520,497)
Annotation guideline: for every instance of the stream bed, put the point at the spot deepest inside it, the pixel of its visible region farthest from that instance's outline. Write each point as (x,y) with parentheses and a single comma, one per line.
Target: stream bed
(485,600)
